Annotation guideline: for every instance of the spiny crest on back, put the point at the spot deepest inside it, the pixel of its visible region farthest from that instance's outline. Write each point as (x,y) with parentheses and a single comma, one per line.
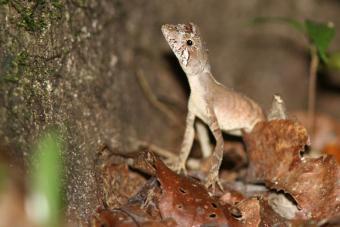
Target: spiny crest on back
(186,43)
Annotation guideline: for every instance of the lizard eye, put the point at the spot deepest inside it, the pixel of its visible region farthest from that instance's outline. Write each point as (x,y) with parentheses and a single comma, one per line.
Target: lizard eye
(189,42)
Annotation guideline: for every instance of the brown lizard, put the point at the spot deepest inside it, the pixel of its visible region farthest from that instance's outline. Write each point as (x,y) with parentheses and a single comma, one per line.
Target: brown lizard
(221,108)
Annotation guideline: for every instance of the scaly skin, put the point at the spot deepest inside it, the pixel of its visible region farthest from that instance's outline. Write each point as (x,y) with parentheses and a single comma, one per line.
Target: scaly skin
(221,108)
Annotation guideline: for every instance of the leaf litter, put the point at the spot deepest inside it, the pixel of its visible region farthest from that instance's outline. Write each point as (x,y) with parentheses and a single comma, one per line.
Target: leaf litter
(280,186)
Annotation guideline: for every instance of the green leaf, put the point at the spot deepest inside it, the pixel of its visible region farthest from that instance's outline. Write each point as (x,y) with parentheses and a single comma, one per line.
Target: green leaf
(295,24)
(321,35)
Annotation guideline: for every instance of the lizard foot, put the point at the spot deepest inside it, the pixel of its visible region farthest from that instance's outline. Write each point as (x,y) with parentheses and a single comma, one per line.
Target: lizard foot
(212,180)
(180,168)
(177,166)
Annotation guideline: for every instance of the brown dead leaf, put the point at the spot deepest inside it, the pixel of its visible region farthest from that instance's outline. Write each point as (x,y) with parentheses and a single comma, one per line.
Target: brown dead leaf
(118,184)
(140,210)
(123,218)
(231,197)
(250,211)
(246,213)
(256,212)
(116,181)
(186,200)
(274,154)
(270,218)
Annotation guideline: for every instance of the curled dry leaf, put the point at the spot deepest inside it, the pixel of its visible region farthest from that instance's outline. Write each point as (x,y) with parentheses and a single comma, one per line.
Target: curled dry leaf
(274,154)
(256,212)
(271,218)
(186,200)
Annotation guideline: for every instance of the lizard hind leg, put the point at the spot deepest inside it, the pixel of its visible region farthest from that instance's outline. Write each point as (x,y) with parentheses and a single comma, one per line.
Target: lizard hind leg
(212,180)
(217,156)
(215,163)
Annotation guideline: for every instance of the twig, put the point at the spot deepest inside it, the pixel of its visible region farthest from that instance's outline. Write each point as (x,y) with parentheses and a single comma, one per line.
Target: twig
(154,100)
(160,151)
(312,90)
(192,163)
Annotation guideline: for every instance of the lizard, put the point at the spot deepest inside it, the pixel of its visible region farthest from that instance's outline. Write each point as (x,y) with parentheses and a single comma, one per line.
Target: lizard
(218,106)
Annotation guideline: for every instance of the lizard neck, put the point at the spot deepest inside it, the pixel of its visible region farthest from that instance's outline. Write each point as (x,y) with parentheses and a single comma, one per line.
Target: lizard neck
(202,82)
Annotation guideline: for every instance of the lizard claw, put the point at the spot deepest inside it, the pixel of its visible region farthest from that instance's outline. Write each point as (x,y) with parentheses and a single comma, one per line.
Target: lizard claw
(212,180)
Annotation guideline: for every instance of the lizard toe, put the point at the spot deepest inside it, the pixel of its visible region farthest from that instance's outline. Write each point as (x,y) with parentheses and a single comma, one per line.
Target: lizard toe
(177,166)
(212,181)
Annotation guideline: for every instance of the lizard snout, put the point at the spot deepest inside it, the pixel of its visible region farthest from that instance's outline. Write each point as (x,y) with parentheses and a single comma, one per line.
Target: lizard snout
(166,28)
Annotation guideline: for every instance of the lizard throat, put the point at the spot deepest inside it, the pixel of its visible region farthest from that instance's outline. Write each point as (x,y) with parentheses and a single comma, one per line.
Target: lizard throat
(196,70)
(185,57)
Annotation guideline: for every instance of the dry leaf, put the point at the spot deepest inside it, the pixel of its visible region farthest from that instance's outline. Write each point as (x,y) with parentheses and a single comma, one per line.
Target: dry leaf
(186,200)
(119,184)
(274,154)
(124,218)
(246,213)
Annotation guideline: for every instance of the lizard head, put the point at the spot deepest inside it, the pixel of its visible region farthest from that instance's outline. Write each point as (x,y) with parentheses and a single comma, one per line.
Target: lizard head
(186,43)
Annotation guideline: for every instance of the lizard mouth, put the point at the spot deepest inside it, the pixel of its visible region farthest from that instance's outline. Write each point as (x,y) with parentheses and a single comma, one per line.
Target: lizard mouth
(170,32)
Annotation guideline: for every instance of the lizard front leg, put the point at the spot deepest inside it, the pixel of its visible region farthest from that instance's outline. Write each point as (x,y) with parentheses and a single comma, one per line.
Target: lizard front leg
(188,139)
(217,156)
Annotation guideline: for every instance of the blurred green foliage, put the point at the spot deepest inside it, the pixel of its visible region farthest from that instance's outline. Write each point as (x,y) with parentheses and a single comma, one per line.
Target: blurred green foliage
(334,61)
(46,184)
(319,35)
